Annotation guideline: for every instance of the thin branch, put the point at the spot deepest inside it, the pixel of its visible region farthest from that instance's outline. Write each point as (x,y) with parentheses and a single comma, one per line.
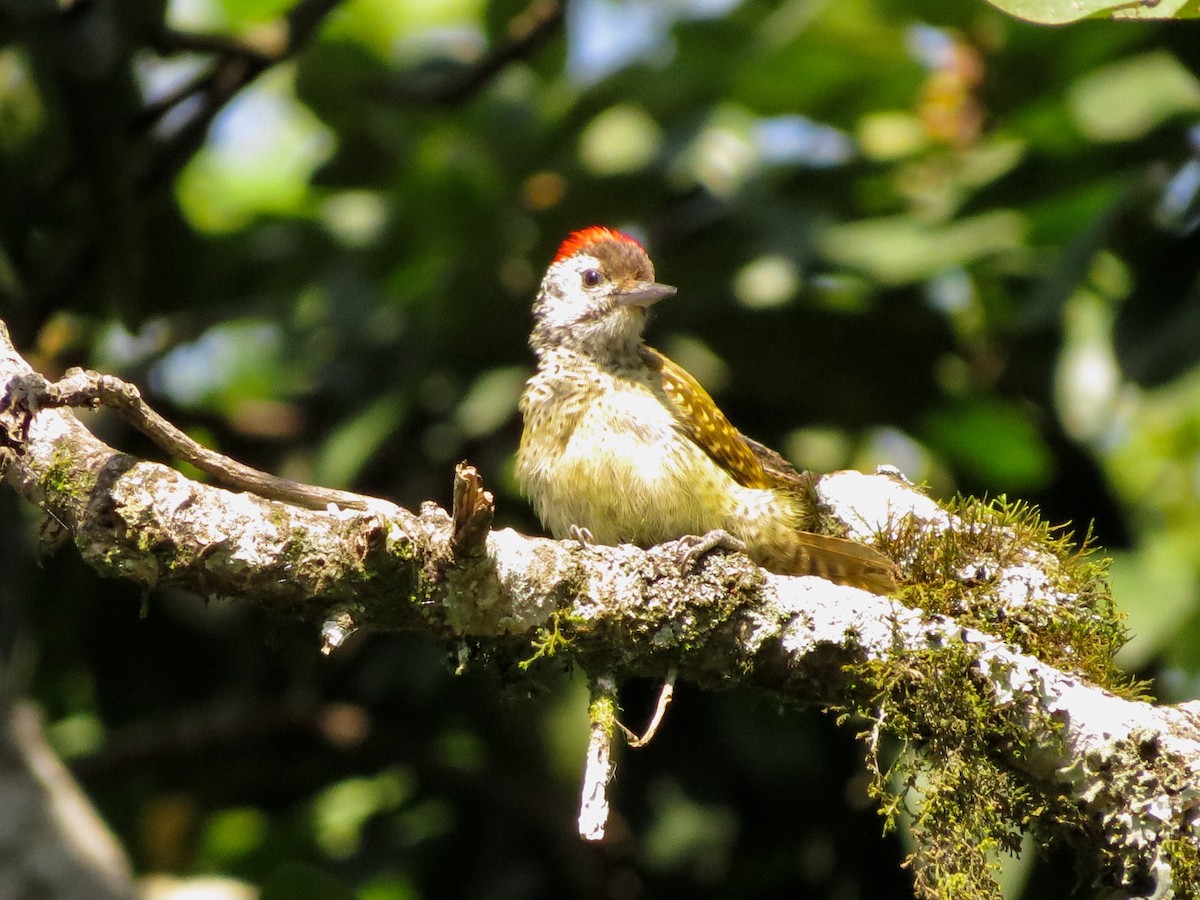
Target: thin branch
(216,88)
(82,388)
(665,693)
(170,40)
(526,34)
(598,769)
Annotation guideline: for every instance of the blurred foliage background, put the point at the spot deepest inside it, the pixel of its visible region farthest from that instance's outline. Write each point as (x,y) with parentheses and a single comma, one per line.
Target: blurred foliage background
(915,232)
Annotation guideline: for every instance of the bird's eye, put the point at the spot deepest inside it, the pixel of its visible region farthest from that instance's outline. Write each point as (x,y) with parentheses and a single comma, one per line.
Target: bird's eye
(591,277)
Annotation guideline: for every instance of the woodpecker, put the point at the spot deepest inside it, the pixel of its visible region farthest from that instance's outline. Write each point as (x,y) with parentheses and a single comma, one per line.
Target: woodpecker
(622,445)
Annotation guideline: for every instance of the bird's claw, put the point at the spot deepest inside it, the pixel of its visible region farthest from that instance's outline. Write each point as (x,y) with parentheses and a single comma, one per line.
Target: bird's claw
(693,547)
(583,535)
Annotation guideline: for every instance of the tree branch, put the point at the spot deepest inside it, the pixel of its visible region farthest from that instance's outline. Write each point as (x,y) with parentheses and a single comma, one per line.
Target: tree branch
(55,846)
(81,388)
(237,67)
(526,33)
(172,40)
(1121,772)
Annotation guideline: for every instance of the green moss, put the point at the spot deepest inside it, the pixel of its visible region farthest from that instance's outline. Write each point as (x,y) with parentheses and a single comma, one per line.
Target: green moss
(65,478)
(1184,858)
(402,551)
(936,719)
(296,547)
(603,709)
(942,715)
(1069,621)
(547,641)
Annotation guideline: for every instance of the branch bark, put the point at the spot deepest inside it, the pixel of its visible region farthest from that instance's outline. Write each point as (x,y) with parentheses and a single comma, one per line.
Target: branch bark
(54,844)
(1120,774)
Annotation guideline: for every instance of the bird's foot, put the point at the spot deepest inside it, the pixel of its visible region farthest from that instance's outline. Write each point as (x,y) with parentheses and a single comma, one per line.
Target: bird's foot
(583,535)
(692,547)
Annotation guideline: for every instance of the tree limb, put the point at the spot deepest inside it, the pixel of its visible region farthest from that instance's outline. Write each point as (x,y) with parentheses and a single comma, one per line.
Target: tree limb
(81,388)
(171,40)
(237,67)
(526,33)
(1121,773)
(54,845)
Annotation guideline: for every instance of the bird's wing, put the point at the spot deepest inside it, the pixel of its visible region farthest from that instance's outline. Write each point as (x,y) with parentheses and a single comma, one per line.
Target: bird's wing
(753,465)
(779,471)
(699,418)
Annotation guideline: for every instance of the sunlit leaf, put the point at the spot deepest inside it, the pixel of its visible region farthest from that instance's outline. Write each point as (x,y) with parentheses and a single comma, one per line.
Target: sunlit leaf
(354,442)
(232,834)
(1126,99)
(1057,12)
(993,441)
(1155,585)
(901,249)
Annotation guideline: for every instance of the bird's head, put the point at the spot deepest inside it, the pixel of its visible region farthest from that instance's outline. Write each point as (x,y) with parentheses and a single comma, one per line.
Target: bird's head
(595,294)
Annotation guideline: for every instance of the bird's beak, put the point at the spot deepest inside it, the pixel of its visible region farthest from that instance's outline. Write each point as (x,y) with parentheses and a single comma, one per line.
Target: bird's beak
(644,293)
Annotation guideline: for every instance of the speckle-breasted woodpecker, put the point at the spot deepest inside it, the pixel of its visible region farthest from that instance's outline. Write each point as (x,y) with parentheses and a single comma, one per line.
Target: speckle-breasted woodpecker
(624,446)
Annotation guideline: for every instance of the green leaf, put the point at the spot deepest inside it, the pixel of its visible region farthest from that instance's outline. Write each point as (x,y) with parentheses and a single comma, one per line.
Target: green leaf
(354,442)
(901,249)
(255,10)
(1126,99)
(1155,584)
(992,440)
(1058,12)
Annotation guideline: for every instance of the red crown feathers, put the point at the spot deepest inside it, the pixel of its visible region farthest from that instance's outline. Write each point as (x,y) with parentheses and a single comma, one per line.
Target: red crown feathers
(577,240)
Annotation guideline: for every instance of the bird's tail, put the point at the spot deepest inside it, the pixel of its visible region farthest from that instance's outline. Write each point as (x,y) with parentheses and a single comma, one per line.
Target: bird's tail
(837,560)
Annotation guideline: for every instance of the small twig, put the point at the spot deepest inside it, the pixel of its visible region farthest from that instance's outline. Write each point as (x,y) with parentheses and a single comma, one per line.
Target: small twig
(230,68)
(337,626)
(237,68)
(660,710)
(81,388)
(602,714)
(473,511)
(526,32)
(171,40)
(150,114)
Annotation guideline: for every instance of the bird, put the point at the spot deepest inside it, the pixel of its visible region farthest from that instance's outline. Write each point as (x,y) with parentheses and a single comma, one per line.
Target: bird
(622,445)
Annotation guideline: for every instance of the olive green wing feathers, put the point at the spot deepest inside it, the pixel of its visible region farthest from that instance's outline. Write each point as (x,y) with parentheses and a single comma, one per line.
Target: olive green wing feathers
(701,420)
(753,465)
